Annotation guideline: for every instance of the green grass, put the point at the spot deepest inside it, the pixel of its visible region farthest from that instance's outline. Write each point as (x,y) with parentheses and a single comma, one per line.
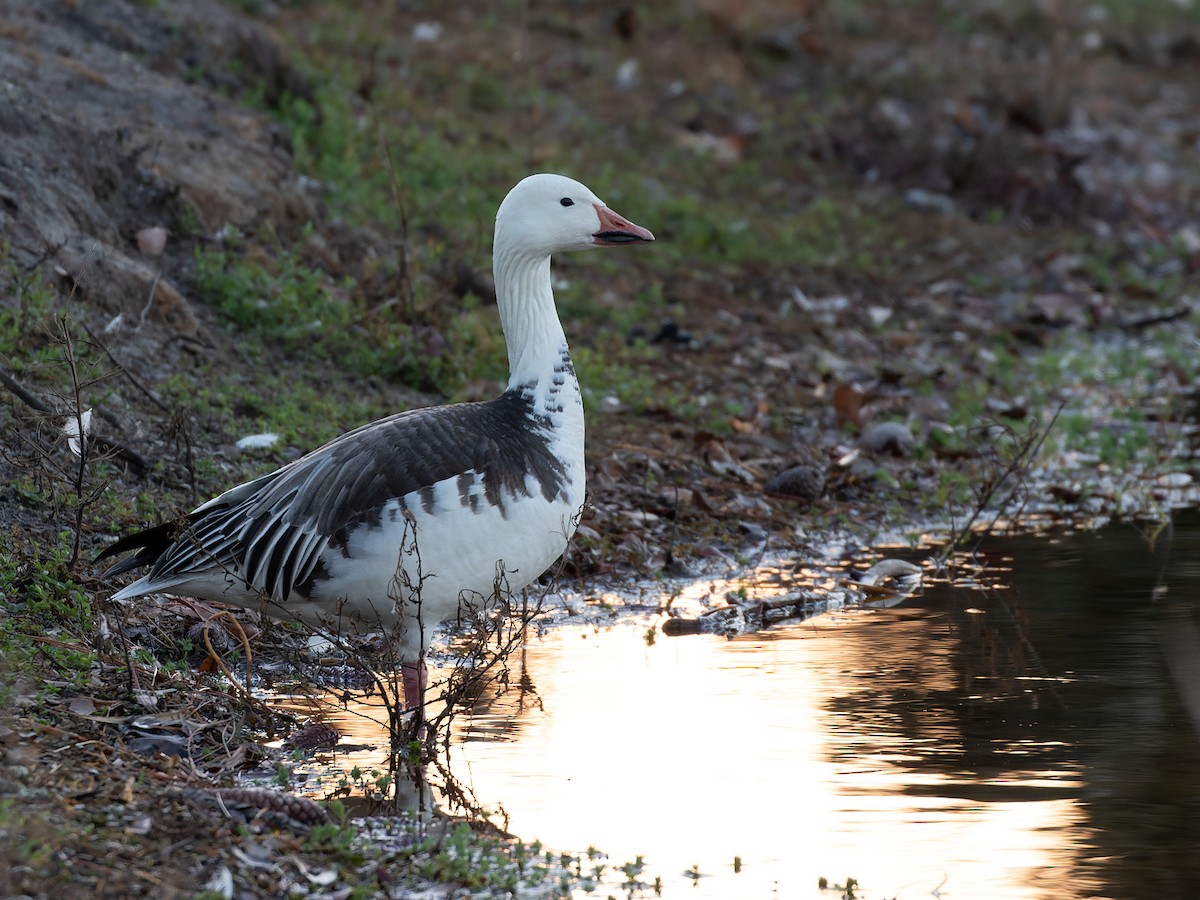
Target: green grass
(29,838)
(282,300)
(42,598)
(433,186)
(28,303)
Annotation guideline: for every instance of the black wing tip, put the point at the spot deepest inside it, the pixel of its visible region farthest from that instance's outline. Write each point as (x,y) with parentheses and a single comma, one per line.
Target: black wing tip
(126,565)
(150,543)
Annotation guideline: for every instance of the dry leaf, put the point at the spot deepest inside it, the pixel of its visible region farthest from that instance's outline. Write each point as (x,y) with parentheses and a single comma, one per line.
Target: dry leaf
(847,404)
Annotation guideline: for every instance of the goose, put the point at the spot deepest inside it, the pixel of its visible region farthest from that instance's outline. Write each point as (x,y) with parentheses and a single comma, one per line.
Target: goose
(392,525)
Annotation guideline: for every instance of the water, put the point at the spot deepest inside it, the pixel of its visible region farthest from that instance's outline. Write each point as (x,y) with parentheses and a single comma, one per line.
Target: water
(1030,739)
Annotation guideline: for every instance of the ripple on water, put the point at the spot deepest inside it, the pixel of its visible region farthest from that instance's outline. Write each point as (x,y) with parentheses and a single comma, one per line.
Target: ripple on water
(979,743)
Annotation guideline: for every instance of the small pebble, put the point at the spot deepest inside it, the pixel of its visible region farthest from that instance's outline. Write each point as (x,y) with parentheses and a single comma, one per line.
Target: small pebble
(314,736)
(887,437)
(918,198)
(152,241)
(802,482)
(752,531)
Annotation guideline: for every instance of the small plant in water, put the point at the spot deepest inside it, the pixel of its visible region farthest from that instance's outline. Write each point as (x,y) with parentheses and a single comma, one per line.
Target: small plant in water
(632,870)
(848,889)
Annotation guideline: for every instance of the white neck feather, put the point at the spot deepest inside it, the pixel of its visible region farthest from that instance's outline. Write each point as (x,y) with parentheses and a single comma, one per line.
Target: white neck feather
(537,350)
(536,342)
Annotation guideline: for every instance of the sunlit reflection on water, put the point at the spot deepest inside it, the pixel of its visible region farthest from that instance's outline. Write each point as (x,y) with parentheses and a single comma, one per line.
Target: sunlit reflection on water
(695,752)
(784,751)
(1028,742)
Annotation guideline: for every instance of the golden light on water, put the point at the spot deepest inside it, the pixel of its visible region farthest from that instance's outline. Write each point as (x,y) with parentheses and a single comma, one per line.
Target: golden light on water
(694,751)
(819,749)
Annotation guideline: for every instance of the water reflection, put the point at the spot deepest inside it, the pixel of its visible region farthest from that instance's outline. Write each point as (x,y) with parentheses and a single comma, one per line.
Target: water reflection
(807,753)
(1026,742)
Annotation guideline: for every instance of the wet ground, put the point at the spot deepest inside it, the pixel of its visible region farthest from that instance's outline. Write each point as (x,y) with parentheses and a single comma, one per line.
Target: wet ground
(1025,736)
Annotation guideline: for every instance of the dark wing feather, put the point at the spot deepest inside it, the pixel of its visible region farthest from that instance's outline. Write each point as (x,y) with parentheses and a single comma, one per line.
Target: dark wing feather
(149,545)
(274,529)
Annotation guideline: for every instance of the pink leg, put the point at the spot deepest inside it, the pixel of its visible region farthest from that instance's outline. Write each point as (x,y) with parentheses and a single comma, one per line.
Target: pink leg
(415,680)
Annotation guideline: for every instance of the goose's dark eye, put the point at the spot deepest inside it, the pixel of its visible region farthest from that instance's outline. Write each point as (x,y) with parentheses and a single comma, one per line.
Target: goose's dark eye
(567,201)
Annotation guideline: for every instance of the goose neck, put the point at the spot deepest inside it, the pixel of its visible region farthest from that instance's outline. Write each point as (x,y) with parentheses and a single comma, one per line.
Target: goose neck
(535,338)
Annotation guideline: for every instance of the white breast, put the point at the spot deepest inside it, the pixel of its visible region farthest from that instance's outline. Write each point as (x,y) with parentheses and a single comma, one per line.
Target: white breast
(431,559)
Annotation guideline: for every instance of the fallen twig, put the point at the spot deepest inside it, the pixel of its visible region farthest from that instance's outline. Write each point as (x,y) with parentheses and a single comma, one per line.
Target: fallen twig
(253,702)
(25,395)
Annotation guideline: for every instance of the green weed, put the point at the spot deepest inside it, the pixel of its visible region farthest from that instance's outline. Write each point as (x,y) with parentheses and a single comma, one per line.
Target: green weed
(24,312)
(42,599)
(336,839)
(282,299)
(613,369)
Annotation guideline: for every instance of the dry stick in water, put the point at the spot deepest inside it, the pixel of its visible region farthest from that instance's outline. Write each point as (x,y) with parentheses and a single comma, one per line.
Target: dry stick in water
(1027,451)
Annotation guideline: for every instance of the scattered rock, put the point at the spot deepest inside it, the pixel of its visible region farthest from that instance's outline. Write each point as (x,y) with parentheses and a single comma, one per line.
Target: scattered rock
(314,736)
(151,241)
(904,574)
(928,201)
(887,437)
(803,482)
(753,532)
(263,441)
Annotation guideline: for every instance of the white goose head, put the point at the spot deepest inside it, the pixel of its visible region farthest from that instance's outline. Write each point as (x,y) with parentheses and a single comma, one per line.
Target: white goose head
(546,214)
